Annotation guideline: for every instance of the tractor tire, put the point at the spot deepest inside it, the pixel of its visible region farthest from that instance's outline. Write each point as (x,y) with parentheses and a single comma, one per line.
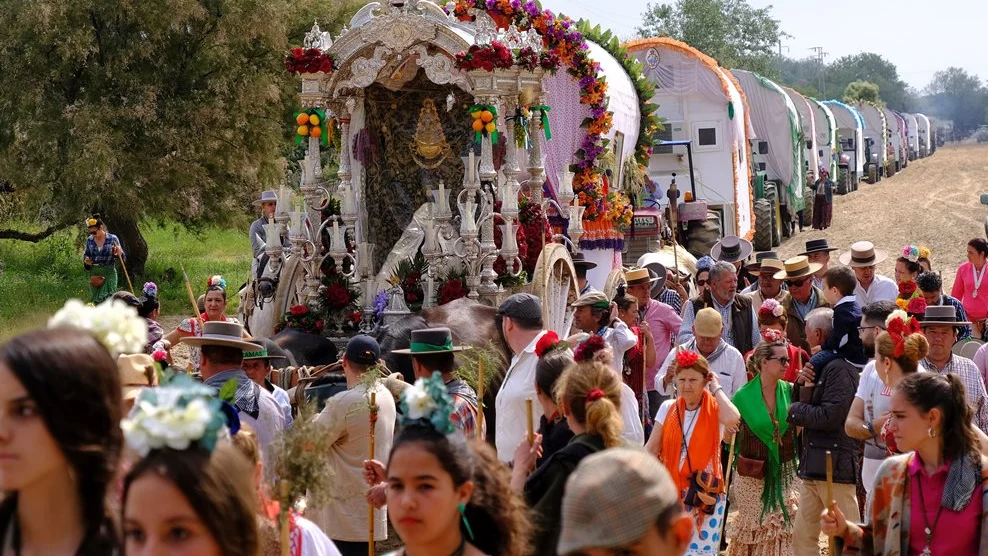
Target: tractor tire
(843,181)
(808,196)
(772,195)
(891,169)
(703,234)
(763,225)
(872,174)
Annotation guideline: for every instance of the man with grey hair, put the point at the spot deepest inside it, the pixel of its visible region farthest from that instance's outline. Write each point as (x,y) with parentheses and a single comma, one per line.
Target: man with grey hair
(740,319)
(819,327)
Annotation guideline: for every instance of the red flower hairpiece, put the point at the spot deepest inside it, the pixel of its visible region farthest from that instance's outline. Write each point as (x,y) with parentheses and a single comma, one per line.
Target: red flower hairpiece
(898,329)
(549,342)
(586,350)
(907,288)
(772,335)
(595,395)
(686,358)
(916,306)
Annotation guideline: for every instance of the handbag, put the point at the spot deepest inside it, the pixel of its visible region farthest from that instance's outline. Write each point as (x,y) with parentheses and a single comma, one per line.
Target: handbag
(704,486)
(97,281)
(751,467)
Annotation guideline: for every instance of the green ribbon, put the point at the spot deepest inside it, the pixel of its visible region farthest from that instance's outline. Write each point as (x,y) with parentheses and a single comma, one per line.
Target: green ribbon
(255,354)
(420,347)
(544,110)
(323,125)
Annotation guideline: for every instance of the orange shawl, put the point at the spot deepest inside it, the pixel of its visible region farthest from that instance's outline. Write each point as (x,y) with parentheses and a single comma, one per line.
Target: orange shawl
(704,445)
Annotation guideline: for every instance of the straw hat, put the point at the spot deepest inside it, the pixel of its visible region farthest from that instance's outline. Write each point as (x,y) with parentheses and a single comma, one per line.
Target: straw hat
(798,267)
(708,323)
(137,371)
(863,254)
(219,333)
(639,276)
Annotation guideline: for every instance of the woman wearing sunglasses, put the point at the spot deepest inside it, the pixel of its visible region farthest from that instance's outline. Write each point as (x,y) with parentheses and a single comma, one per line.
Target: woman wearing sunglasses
(772,320)
(765,490)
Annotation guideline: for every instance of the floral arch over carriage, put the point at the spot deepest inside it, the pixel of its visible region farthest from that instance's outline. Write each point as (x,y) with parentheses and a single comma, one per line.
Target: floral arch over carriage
(462,152)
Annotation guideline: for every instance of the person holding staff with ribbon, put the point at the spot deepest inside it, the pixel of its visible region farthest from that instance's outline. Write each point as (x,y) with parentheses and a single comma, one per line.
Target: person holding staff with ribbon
(100,259)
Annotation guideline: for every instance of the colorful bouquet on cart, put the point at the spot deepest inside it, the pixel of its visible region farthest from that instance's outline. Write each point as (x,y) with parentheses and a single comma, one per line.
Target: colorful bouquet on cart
(487,58)
(303,319)
(308,60)
(529,60)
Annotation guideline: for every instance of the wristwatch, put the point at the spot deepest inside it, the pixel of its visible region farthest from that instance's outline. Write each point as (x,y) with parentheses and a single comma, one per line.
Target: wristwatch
(871,430)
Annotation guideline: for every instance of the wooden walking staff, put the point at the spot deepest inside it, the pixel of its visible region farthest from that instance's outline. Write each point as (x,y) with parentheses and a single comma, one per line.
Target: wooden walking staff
(283,520)
(370,506)
(126,275)
(830,495)
(529,421)
(192,297)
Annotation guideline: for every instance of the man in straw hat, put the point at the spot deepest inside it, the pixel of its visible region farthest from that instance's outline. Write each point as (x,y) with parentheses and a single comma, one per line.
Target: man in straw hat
(768,286)
(740,319)
(432,350)
(658,319)
(623,501)
(862,258)
(939,325)
(257,365)
(734,250)
(221,362)
(346,422)
(818,251)
(798,274)
(756,267)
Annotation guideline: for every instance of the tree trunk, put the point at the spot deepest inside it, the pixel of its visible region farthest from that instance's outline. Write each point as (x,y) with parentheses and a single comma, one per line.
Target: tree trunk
(126,228)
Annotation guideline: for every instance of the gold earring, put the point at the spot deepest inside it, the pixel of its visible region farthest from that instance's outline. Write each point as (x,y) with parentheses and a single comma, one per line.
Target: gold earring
(932,432)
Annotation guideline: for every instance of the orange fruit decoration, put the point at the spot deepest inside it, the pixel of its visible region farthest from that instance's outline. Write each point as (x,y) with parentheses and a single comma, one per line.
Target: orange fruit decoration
(303,130)
(302,119)
(314,119)
(486,116)
(315,132)
(478,125)
(490,127)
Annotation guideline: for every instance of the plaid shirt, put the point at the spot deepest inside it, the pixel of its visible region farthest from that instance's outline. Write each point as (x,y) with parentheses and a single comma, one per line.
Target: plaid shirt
(671,298)
(104,256)
(974,385)
(465,407)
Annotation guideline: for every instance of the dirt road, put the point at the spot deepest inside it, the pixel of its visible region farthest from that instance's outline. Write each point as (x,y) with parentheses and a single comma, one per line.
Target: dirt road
(934,202)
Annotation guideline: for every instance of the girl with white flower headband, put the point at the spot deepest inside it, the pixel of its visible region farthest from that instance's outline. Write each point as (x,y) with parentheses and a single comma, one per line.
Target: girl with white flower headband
(191,491)
(447,495)
(215,309)
(60,438)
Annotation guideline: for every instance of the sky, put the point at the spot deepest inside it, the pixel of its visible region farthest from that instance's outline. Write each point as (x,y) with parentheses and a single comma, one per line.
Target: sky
(952,31)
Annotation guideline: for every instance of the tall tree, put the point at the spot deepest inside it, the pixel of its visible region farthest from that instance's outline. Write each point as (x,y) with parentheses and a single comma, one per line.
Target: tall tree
(733,32)
(167,109)
(956,95)
(861,91)
(872,68)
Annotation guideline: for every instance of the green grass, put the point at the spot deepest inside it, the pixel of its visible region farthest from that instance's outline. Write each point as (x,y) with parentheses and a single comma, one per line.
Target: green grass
(38,277)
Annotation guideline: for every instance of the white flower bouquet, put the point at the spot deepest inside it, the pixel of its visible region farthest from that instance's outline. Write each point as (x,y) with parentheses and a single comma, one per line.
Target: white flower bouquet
(114,323)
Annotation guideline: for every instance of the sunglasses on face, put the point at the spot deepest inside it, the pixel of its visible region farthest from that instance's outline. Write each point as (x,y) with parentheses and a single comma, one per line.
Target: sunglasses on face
(783,360)
(701,282)
(799,283)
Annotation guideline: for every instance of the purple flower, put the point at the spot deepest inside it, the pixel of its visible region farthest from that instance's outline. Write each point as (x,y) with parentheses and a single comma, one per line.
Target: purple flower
(598,112)
(491,4)
(531,8)
(380,303)
(566,24)
(587,81)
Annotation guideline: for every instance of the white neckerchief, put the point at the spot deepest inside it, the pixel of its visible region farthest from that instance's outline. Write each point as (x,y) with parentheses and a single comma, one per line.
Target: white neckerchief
(978,277)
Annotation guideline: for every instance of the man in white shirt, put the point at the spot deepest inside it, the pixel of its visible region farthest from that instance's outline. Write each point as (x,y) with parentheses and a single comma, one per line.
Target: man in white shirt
(862,258)
(724,359)
(520,320)
(257,365)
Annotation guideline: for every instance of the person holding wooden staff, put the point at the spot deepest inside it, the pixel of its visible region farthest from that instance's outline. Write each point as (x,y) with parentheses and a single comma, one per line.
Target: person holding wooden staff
(765,490)
(100,259)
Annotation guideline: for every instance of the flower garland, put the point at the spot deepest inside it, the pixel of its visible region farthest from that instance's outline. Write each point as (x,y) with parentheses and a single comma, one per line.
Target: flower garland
(308,60)
(487,58)
(563,39)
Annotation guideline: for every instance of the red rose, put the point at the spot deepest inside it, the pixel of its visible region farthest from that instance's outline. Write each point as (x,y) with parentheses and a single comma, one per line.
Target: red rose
(299,310)
(917,305)
(297,52)
(320,325)
(326,66)
(907,288)
(337,296)
(356,317)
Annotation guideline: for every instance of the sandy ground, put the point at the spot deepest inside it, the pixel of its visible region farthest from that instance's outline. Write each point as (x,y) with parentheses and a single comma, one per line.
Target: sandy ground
(934,202)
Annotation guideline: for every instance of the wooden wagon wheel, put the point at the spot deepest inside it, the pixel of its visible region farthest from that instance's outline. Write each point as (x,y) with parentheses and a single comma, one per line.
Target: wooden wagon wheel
(614,279)
(555,284)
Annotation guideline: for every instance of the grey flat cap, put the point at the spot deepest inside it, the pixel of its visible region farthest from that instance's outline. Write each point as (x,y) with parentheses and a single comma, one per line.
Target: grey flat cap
(521,306)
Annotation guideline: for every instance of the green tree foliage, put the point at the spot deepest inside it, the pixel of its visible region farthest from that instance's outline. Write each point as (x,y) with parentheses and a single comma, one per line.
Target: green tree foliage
(954,94)
(172,109)
(733,32)
(861,91)
(874,69)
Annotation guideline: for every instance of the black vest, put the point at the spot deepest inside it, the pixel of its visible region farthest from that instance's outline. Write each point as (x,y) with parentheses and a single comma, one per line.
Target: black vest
(741,318)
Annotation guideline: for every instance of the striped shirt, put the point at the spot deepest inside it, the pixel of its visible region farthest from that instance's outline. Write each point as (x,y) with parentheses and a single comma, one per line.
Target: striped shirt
(974,385)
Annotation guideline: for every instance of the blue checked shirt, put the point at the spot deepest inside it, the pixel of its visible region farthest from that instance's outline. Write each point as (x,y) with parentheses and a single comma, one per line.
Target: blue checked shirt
(671,298)
(104,256)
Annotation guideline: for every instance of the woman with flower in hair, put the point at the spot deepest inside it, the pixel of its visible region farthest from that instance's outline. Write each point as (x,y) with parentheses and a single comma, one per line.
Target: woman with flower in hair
(687,440)
(925,259)
(907,266)
(447,495)
(191,491)
(899,349)
(772,321)
(589,396)
(765,490)
(554,432)
(150,309)
(60,439)
(215,305)
(100,259)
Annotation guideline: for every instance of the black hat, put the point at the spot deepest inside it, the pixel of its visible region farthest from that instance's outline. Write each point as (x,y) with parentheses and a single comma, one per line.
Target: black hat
(430,340)
(521,306)
(363,350)
(817,245)
(579,261)
(269,350)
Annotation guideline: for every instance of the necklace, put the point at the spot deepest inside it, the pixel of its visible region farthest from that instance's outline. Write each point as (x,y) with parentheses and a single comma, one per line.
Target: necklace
(776,436)
(927,530)
(978,277)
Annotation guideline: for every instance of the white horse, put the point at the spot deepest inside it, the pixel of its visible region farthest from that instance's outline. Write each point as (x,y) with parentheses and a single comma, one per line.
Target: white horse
(263,301)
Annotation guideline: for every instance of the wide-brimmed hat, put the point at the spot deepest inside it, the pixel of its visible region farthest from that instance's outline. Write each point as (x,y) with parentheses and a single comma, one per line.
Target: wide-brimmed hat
(797,267)
(817,245)
(137,371)
(268,196)
(941,314)
(593,299)
(731,249)
(613,498)
(863,254)
(430,340)
(220,333)
(580,261)
(267,351)
(637,276)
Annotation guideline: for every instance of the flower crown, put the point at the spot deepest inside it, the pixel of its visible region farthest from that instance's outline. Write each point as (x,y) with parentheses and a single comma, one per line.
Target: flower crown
(113,323)
(773,336)
(216,281)
(899,325)
(177,416)
(150,289)
(911,253)
(427,404)
(586,350)
(686,358)
(924,252)
(549,342)
(771,308)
